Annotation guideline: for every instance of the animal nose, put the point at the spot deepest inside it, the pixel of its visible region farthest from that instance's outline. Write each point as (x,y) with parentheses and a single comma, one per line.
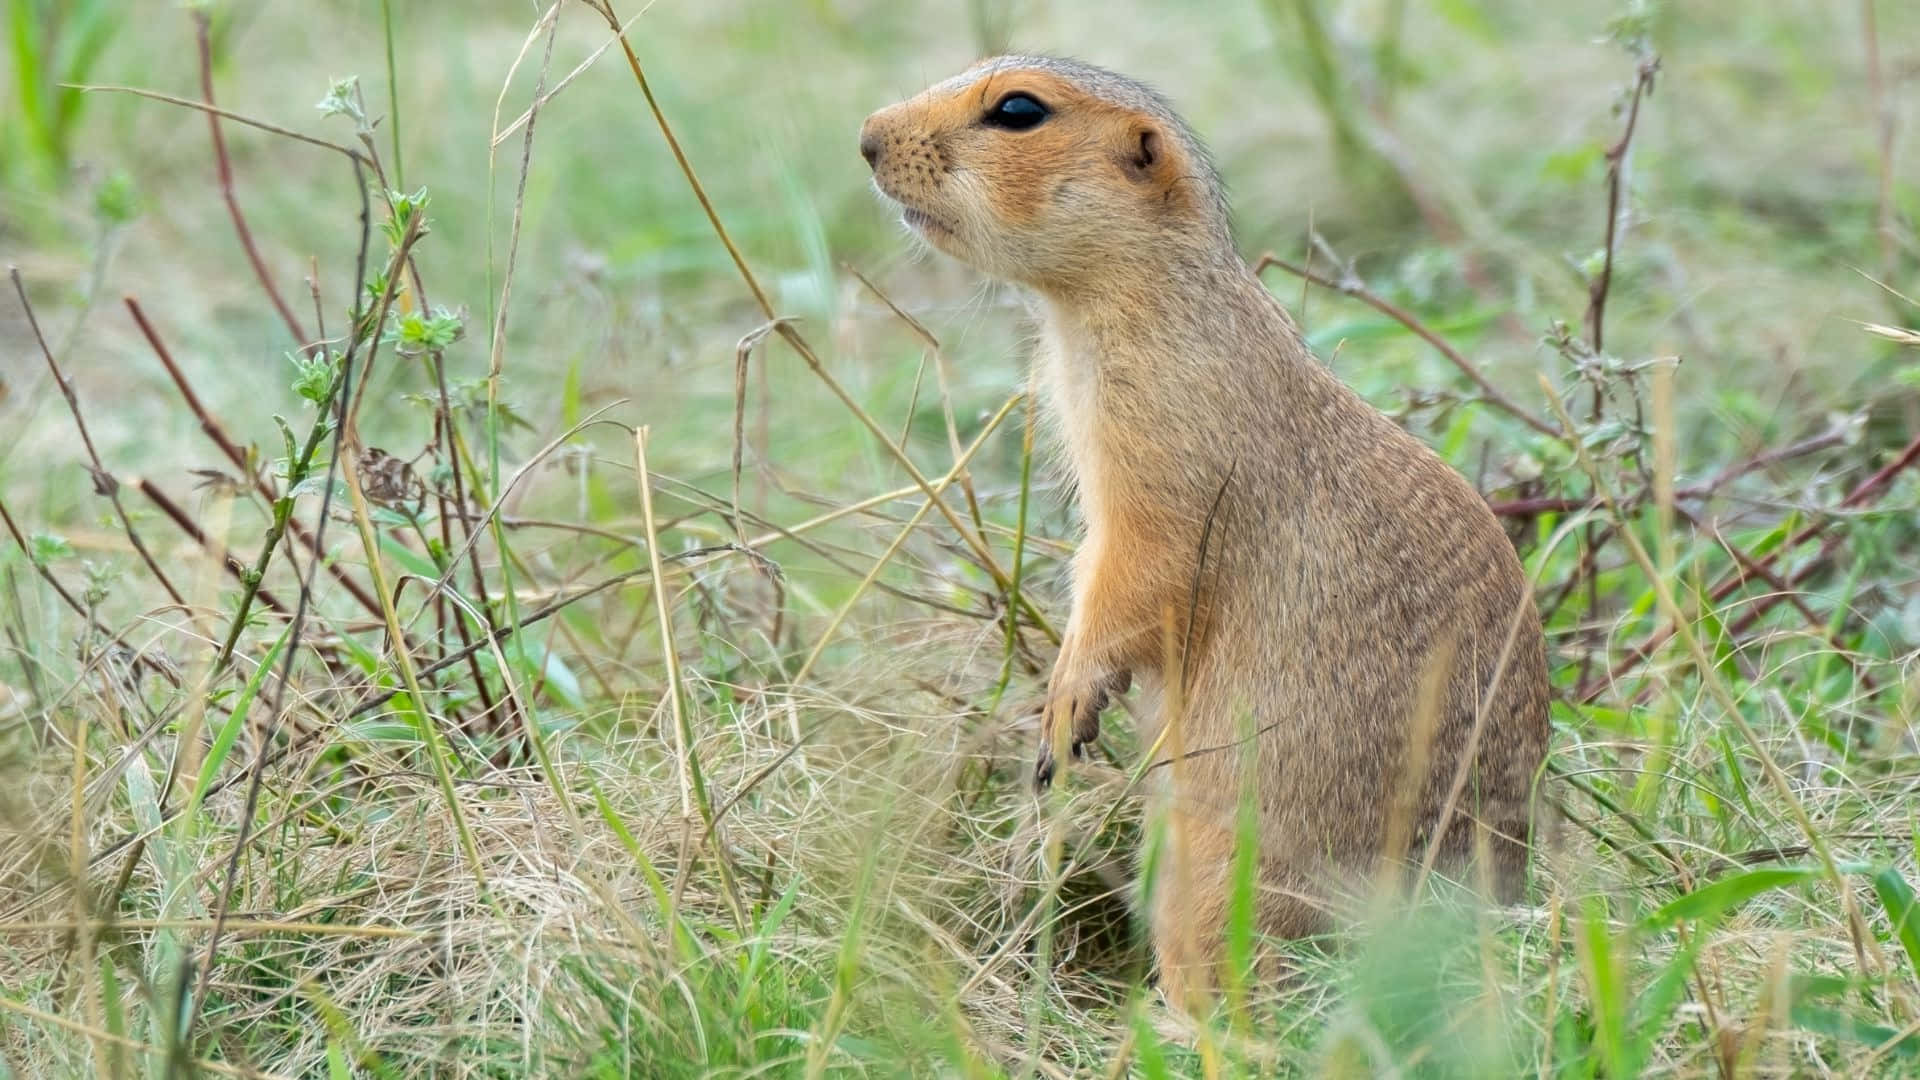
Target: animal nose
(870,148)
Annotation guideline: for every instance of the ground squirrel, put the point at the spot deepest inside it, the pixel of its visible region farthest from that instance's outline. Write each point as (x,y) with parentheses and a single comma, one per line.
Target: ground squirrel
(1251,522)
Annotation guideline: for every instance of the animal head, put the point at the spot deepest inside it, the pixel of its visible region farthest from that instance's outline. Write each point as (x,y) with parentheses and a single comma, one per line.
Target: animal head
(1048,172)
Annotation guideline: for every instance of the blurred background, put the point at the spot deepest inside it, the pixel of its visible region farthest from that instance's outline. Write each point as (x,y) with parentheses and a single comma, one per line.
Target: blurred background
(493,872)
(1453,150)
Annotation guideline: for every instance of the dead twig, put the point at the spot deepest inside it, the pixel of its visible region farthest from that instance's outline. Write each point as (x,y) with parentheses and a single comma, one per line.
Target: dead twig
(225,114)
(975,542)
(1862,495)
(1616,171)
(223,169)
(1350,285)
(211,427)
(219,551)
(104,482)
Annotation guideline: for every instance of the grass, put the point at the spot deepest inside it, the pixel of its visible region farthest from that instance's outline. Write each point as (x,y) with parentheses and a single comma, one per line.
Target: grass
(644,718)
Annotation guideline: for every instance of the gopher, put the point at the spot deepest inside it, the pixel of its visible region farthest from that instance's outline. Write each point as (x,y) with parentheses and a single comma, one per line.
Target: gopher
(1326,615)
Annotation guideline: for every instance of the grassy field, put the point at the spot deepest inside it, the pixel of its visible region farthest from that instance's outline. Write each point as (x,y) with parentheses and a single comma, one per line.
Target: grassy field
(541,768)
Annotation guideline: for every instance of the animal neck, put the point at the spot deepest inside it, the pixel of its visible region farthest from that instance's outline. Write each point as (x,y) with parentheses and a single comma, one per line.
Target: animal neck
(1169,323)
(1159,383)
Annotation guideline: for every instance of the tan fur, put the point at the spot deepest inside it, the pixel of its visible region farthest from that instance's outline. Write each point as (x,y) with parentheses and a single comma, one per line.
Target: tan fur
(1344,558)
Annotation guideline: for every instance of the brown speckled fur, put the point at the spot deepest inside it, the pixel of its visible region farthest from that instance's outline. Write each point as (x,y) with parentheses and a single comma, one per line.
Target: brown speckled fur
(1344,557)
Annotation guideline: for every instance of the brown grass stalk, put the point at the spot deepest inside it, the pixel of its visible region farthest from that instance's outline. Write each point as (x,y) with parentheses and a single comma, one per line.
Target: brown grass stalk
(974,541)
(219,551)
(104,482)
(1616,157)
(223,172)
(692,786)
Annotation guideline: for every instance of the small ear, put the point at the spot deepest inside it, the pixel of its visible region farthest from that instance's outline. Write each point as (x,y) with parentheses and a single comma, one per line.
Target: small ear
(1143,154)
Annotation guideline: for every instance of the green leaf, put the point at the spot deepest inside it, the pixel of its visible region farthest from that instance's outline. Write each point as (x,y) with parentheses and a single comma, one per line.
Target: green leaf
(1575,165)
(1841,1027)
(1466,16)
(1244,889)
(1896,896)
(30,75)
(562,683)
(762,942)
(1657,1002)
(343,99)
(382,731)
(313,376)
(1713,632)
(116,200)
(46,548)
(1709,902)
(410,560)
(414,334)
(1736,776)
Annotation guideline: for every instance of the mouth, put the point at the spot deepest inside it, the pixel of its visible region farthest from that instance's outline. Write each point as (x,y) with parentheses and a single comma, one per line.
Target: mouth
(924,223)
(931,227)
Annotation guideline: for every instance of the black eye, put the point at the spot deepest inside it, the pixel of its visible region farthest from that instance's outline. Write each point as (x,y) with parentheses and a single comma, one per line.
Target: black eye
(1017,112)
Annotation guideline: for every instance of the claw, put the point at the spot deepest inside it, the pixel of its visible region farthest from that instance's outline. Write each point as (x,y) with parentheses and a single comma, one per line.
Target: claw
(1082,714)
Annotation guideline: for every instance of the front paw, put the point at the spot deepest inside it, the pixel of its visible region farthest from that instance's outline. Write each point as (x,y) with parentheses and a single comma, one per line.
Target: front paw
(1071,719)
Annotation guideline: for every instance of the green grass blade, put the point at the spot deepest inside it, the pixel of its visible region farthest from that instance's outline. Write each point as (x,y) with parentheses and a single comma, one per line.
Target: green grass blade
(230,731)
(28,72)
(1896,896)
(1606,983)
(1709,902)
(1147,1049)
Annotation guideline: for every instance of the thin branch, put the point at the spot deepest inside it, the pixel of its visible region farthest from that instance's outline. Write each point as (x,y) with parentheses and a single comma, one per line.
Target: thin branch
(498,347)
(187,525)
(223,167)
(104,482)
(225,114)
(457,508)
(1864,494)
(1616,169)
(976,543)
(211,427)
(1352,286)
(742,356)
